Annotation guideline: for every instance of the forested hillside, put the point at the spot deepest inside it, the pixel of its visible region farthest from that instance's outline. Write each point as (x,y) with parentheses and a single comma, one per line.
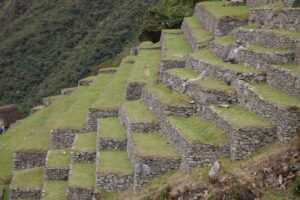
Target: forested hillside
(48,45)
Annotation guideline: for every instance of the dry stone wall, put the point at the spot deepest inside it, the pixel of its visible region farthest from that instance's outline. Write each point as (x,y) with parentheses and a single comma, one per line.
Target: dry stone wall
(62,138)
(94,114)
(29,159)
(25,193)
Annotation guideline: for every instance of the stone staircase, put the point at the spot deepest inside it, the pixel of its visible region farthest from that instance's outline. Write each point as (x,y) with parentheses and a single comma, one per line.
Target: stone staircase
(225,85)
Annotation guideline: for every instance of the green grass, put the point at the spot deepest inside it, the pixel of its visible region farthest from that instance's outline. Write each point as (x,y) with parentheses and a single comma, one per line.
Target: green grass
(58,158)
(85,142)
(138,112)
(112,128)
(294,68)
(184,73)
(83,176)
(239,117)
(146,45)
(114,162)
(168,96)
(28,178)
(214,84)
(201,35)
(261,49)
(153,144)
(218,9)
(225,40)
(276,96)
(209,57)
(197,130)
(55,190)
(175,45)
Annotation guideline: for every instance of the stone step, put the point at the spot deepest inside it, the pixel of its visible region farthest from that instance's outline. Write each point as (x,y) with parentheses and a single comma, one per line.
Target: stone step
(174,49)
(282,109)
(271,38)
(27,184)
(195,34)
(54,190)
(84,148)
(57,165)
(271,17)
(136,117)
(221,46)
(111,135)
(285,78)
(163,101)
(220,19)
(87,81)
(151,155)
(255,3)
(81,184)
(247,131)
(199,141)
(204,90)
(205,61)
(108,70)
(67,91)
(114,171)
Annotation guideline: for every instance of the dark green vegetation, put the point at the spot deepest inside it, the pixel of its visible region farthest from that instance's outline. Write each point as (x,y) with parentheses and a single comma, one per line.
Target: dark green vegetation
(48,45)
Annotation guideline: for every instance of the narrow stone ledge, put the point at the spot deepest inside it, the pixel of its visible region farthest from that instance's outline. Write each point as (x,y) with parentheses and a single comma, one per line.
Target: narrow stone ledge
(86,81)
(109,70)
(25,193)
(95,113)
(221,50)
(62,138)
(134,91)
(83,157)
(29,159)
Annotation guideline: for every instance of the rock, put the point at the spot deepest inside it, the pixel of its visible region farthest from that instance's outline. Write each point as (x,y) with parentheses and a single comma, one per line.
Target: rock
(214,171)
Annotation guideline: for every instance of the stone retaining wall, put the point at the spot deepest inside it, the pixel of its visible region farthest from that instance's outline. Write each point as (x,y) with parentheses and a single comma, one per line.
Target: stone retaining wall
(221,50)
(259,3)
(287,119)
(67,91)
(86,157)
(107,71)
(62,138)
(243,141)
(94,114)
(111,144)
(134,91)
(217,27)
(288,19)
(56,173)
(114,182)
(75,193)
(85,82)
(29,159)
(25,193)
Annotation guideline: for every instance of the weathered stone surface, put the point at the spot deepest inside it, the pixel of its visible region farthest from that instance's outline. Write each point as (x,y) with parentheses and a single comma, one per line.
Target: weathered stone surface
(258,3)
(81,156)
(221,50)
(217,27)
(287,119)
(25,193)
(29,159)
(67,91)
(62,138)
(107,70)
(56,173)
(75,193)
(94,114)
(111,144)
(85,82)
(114,182)
(134,91)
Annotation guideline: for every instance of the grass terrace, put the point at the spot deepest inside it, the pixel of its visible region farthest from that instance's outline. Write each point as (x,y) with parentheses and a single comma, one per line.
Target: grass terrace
(207,56)
(261,49)
(55,190)
(58,158)
(225,40)
(276,96)
(214,84)
(28,178)
(138,112)
(197,130)
(240,117)
(85,142)
(89,78)
(83,176)
(175,45)
(184,73)
(120,163)
(153,145)
(294,68)
(111,128)
(220,10)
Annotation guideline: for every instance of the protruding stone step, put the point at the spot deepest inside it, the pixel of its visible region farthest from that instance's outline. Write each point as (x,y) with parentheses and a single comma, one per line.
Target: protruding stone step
(81,183)
(195,34)
(114,171)
(207,62)
(282,109)
(111,135)
(220,19)
(222,46)
(107,70)
(54,190)
(84,148)
(68,91)
(165,102)
(86,81)
(204,90)
(247,131)
(151,155)
(199,141)
(27,184)
(174,49)
(136,117)
(57,165)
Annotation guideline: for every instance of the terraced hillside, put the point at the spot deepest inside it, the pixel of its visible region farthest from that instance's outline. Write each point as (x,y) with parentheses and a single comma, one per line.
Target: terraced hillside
(223,87)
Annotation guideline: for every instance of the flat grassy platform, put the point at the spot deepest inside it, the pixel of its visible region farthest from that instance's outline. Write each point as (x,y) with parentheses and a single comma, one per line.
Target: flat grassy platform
(138,112)
(219,10)
(293,68)
(225,40)
(115,162)
(168,96)
(153,145)
(276,96)
(209,57)
(28,178)
(200,34)
(111,128)
(83,176)
(55,190)
(58,158)
(184,73)
(261,49)
(85,142)
(240,117)
(175,45)
(197,130)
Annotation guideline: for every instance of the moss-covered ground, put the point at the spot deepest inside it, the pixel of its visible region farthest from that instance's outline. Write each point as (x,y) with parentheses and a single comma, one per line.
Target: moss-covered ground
(85,142)
(28,178)
(58,158)
(138,112)
(83,176)
(111,128)
(55,190)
